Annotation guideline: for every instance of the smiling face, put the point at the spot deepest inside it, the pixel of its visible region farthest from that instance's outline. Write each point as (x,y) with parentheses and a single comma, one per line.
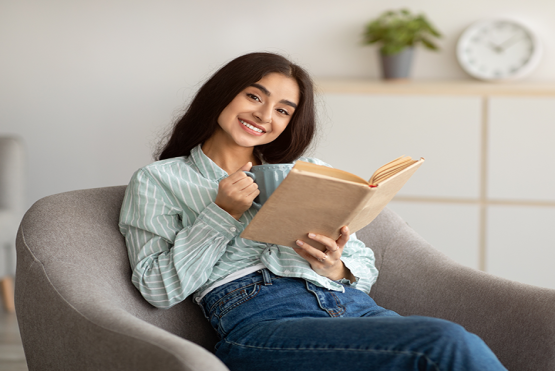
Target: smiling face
(259,113)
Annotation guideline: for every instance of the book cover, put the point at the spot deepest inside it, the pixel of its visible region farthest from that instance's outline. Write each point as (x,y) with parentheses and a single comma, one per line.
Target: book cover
(318,199)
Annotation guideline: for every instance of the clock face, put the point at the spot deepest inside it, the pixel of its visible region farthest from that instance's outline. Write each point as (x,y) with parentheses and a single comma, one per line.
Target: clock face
(498,50)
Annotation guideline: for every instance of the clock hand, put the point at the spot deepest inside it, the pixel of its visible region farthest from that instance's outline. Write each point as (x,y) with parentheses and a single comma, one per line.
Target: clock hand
(505,44)
(494,46)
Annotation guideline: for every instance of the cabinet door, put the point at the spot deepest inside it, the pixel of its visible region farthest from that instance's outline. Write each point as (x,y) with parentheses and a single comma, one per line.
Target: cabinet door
(521,148)
(521,244)
(521,180)
(359,133)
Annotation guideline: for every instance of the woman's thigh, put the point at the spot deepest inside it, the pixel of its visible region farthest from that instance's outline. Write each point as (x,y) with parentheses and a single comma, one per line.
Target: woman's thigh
(366,343)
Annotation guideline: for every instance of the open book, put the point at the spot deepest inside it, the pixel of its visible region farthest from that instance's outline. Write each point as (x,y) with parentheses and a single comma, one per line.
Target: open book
(319,199)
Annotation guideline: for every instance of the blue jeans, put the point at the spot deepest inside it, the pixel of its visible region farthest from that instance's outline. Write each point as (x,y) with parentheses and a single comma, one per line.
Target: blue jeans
(267,322)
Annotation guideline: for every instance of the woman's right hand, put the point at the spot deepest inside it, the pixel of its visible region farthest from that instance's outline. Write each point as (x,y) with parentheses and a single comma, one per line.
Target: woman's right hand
(236,192)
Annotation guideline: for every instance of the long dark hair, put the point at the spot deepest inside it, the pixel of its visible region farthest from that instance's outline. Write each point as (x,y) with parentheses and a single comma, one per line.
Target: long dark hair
(201,117)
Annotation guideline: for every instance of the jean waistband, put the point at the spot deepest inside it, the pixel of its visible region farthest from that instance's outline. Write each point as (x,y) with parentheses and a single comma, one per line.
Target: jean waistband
(261,277)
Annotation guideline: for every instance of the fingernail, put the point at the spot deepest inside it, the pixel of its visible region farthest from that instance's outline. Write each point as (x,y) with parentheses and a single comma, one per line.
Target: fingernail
(311,235)
(300,243)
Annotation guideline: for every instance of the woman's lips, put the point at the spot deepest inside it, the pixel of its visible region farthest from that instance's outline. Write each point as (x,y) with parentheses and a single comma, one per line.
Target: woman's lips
(252,127)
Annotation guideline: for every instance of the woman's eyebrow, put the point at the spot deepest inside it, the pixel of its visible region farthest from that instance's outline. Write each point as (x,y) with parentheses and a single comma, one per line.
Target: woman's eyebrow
(267,93)
(262,89)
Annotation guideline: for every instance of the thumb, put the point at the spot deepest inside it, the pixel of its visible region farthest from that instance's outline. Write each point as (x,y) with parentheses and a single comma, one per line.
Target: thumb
(345,235)
(246,167)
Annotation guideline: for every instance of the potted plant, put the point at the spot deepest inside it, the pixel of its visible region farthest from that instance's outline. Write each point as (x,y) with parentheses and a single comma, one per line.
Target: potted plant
(399,32)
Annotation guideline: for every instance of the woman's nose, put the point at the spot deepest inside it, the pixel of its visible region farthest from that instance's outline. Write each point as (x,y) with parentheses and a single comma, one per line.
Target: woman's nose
(264,114)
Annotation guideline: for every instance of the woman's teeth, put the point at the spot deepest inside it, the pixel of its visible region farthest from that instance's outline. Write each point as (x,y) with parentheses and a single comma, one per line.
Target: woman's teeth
(251,127)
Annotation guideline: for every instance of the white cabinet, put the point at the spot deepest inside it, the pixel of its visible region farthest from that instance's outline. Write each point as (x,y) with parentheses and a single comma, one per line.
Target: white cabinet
(521,243)
(362,132)
(522,148)
(486,194)
(521,186)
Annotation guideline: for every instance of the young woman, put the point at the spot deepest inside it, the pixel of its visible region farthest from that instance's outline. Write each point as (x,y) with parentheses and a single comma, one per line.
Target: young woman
(274,307)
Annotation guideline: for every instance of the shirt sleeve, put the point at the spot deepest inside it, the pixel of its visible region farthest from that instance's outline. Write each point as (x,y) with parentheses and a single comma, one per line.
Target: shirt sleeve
(361,262)
(170,257)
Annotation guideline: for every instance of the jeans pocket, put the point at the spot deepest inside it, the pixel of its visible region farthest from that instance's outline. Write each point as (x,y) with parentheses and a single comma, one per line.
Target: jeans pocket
(222,316)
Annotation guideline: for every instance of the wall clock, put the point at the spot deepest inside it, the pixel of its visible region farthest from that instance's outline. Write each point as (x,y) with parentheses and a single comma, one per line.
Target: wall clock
(498,50)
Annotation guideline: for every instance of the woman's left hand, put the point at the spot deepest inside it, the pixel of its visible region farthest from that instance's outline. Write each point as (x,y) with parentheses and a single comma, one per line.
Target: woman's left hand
(326,263)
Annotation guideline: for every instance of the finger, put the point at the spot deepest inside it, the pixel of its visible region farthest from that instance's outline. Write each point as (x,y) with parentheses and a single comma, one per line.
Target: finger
(253,192)
(329,243)
(246,167)
(246,190)
(312,252)
(239,181)
(237,176)
(240,173)
(303,254)
(344,237)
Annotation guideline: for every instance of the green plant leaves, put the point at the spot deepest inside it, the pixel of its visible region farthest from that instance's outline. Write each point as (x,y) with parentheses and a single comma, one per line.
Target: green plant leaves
(396,30)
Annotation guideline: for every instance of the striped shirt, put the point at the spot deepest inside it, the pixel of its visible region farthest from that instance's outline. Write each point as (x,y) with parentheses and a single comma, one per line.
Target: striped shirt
(180,242)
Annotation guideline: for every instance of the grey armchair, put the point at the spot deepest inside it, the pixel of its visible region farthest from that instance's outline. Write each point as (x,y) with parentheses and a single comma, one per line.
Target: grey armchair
(77,309)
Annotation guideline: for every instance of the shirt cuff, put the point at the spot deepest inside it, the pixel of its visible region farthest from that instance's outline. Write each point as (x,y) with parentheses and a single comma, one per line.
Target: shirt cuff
(220,220)
(358,270)
(345,281)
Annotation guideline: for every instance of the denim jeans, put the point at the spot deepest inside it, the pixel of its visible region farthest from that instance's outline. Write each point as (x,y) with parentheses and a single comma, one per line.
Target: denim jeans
(267,322)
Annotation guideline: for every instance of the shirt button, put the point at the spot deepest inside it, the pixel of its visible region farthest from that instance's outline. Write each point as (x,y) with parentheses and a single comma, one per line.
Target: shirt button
(233,229)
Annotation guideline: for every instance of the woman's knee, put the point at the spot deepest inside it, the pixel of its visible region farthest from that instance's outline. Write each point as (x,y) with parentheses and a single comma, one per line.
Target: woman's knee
(443,331)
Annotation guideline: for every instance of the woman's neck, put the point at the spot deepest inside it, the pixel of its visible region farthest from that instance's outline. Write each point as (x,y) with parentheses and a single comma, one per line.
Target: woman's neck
(230,157)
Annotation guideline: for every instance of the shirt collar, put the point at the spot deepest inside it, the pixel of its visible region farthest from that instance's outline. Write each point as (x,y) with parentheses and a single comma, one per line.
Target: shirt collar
(206,166)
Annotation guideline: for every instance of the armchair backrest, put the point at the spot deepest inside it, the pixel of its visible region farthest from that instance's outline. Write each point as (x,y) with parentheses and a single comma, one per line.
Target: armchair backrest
(72,241)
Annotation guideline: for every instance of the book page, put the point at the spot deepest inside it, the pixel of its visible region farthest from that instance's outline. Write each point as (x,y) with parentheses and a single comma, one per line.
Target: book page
(328,171)
(390,169)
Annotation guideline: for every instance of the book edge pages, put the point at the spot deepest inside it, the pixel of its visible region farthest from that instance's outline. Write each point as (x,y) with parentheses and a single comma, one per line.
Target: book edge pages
(383,195)
(322,170)
(408,168)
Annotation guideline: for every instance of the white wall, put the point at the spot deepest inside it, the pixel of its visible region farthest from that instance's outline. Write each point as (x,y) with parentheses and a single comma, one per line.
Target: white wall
(90,85)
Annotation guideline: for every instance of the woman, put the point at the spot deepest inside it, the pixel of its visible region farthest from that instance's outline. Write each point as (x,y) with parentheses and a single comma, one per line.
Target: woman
(274,307)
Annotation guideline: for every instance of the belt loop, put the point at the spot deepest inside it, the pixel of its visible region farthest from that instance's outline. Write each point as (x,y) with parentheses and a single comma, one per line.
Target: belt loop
(266,277)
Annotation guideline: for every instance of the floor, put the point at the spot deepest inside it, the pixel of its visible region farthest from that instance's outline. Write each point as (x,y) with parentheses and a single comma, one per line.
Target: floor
(12,357)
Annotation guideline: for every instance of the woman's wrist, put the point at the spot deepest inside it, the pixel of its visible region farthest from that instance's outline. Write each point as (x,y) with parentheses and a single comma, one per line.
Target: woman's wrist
(342,272)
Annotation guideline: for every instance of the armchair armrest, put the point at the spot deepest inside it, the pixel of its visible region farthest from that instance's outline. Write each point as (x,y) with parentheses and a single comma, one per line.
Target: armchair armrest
(517,321)
(76,306)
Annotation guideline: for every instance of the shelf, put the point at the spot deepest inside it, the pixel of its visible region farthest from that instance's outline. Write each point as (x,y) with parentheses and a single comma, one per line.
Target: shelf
(433,87)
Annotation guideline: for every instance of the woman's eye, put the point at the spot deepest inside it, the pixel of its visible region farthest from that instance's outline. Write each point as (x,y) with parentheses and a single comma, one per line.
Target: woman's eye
(252,96)
(282,111)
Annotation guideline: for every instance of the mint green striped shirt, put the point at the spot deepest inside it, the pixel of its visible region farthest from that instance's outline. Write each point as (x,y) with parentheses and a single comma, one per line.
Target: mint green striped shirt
(180,242)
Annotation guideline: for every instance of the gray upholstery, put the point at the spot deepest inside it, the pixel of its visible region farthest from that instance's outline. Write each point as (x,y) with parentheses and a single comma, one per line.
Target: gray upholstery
(78,310)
